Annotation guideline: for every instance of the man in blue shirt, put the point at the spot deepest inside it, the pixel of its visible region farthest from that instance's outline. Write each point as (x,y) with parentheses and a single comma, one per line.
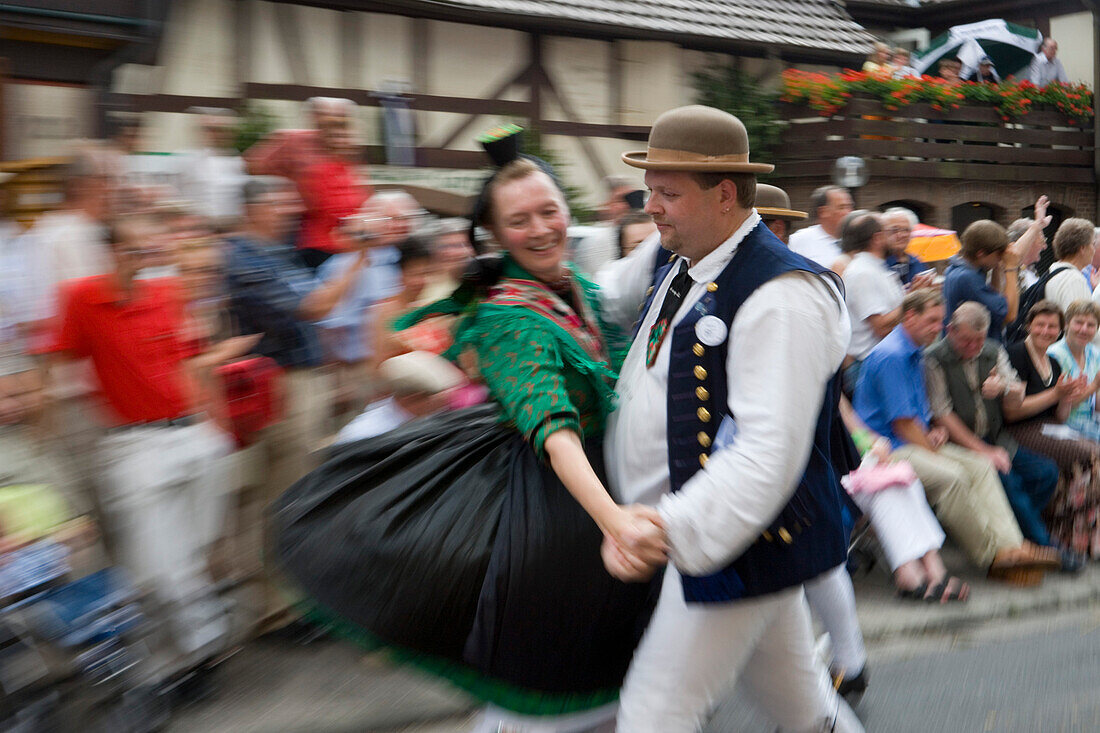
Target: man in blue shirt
(273,293)
(898,223)
(986,271)
(961,486)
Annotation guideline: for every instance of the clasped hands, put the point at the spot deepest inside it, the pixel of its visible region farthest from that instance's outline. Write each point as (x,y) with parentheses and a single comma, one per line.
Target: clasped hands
(634,544)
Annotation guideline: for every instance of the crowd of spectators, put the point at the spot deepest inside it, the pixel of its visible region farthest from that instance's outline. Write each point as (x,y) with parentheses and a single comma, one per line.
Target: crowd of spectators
(182,353)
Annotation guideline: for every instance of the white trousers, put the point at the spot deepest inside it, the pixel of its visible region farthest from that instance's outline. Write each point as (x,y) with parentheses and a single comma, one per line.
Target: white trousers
(692,655)
(903,522)
(498,720)
(833,600)
(164,493)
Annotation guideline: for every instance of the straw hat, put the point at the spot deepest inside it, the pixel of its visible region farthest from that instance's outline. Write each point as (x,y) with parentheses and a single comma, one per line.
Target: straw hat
(773,203)
(697,138)
(419,372)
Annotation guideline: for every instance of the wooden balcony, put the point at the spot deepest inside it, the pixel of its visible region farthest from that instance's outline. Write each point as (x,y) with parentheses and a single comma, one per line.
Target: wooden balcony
(917,141)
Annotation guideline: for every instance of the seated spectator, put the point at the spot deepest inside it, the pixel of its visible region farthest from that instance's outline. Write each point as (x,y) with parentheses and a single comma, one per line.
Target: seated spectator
(634,227)
(1046,67)
(961,485)
(452,251)
(905,526)
(949,70)
(1078,356)
(871,289)
(417,265)
(900,61)
(970,380)
(985,255)
(163,485)
(1075,509)
(416,383)
(985,73)
(1073,246)
(821,242)
(878,61)
(898,223)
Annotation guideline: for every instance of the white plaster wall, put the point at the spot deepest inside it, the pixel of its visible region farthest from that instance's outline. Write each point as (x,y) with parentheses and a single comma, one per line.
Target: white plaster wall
(652,80)
(387,49)
(470,61)
(1074,35)
(322,44)
(197,51)
(269,62)
(580,70)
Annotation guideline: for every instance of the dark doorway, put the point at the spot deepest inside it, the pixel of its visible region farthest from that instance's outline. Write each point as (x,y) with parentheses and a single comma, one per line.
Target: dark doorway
(921,209)
(966,214)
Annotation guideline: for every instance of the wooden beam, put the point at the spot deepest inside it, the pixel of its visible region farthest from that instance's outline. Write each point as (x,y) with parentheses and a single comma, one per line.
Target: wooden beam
(639,133)
(913,130)
(460,129)
(589,149)
(421,44)
(286,25)
(351,49)
(4,71)
(536,77)
(365,97)
(907,169)
(242,35)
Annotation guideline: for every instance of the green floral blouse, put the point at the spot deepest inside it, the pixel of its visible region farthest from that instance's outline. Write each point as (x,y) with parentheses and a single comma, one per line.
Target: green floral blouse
(544,363)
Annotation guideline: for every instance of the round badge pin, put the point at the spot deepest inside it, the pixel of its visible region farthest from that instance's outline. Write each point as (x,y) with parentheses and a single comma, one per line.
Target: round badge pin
(710,330)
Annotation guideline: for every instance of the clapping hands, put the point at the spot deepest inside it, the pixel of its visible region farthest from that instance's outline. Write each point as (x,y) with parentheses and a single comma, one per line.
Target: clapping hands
(634,544)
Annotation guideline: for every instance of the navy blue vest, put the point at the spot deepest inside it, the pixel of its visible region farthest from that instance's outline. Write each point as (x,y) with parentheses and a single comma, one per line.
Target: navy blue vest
(807,537)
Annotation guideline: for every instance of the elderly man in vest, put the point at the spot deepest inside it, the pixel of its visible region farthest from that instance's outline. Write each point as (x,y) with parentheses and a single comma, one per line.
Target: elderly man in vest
(969,377)
(727,398)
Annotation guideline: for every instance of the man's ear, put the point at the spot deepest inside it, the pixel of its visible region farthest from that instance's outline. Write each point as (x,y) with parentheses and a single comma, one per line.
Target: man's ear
(727,193)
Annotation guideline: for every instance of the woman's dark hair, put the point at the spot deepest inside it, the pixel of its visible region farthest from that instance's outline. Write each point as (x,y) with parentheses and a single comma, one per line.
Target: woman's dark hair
(413,249)
(1046,307)
(629,219)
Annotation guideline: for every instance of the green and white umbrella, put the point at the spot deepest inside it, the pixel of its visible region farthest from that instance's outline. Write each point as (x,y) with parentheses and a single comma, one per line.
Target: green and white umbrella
(1011,47)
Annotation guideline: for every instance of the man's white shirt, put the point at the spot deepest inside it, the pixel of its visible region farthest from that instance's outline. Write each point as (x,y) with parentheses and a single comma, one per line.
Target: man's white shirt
(870,289)
(786,341)
(816,244)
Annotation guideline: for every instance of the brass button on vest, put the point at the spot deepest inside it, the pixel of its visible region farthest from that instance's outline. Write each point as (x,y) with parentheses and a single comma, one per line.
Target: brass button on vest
(704,414)
(703,460)
(785,535)
(711,287)
(697,349)
(704,439)
(702,393)
(700,372)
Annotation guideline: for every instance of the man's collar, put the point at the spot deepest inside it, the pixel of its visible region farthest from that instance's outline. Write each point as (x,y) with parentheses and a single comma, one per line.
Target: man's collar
(907,341)
(709,267)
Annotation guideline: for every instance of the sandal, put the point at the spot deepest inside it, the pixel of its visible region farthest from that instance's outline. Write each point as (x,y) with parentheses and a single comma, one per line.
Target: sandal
(948,590)
(913,594)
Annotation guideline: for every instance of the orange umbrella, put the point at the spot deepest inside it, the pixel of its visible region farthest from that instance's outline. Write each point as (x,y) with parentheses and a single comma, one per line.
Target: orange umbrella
(929,244)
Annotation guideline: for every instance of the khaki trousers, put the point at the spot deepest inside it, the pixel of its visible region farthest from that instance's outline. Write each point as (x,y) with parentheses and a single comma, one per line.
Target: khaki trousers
(291,449)
(968,498)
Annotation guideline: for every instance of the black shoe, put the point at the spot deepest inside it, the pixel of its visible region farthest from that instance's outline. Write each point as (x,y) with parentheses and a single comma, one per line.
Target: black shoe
(1072,562)
(297,632)
(852,688)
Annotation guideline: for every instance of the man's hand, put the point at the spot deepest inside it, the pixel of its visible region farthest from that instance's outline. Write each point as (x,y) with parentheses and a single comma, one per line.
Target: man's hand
(925,281)
(999,458)
(993,386)
(635,544)
(623,565)
(938,436)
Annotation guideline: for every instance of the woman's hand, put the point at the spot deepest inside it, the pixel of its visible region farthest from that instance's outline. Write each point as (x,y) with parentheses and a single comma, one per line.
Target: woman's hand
(637,531)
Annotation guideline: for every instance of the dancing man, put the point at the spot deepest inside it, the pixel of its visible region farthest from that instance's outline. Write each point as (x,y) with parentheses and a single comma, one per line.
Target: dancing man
(727,400)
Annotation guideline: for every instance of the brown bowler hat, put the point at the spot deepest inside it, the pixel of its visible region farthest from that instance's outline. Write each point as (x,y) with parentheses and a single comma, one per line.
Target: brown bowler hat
(697,138)
(773,203)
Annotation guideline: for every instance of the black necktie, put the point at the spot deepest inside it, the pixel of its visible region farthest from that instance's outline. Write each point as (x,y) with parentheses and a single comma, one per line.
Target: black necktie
(674,296)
